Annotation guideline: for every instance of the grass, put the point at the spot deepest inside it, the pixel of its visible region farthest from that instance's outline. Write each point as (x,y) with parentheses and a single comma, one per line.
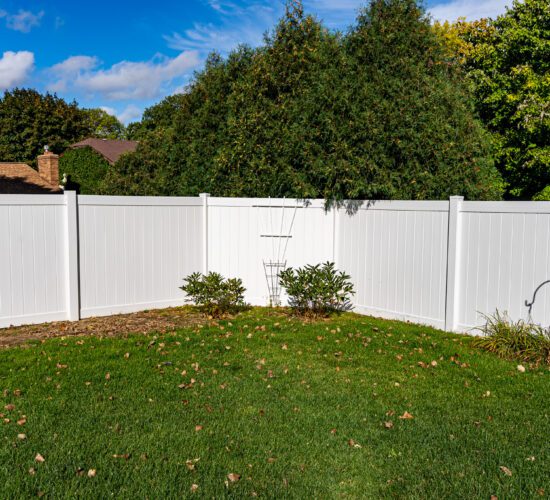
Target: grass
(297,410)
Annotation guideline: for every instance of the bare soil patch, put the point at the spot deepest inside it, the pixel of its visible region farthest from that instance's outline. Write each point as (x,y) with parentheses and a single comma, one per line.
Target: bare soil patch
(161,321)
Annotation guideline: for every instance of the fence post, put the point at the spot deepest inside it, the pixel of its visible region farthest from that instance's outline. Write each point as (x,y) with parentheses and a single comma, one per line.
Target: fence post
(452,305)
(205,197)
(335,234)
(72,281)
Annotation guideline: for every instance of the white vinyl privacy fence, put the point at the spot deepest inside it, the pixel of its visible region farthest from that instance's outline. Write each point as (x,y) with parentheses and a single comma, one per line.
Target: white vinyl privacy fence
(441,263)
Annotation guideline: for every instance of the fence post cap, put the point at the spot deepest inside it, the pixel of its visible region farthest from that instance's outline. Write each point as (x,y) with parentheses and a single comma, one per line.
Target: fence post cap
(204,195)
(458,198)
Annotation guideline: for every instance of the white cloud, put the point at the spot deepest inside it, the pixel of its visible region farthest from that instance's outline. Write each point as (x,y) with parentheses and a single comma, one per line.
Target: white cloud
(243,23)
(15,68)
(124,80)
(108,110)
(130,114)
(68,70)
(74,65)
(470,9)
(23,21)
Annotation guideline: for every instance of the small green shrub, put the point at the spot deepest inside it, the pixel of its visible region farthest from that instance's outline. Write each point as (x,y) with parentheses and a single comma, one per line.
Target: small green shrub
(514,339)
(213,294)
(317,290)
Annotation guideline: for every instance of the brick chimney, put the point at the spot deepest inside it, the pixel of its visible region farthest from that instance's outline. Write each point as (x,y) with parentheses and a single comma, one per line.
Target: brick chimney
(48,167)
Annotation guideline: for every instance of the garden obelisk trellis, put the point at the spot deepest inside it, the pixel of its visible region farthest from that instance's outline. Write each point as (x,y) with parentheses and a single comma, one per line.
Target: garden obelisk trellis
(277,235)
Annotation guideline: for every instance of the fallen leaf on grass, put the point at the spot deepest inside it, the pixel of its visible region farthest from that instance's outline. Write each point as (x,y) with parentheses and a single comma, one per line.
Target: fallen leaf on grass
(388,425)
(107,376)
(506,470)
(22,421)
(39,458)
(233,477)
(353,444)
(190,464)
(32,471)
(406,416)
(194,487)
(91,473)
(126,456)
(521,368)
(9,407)
(21,436)
(198,428)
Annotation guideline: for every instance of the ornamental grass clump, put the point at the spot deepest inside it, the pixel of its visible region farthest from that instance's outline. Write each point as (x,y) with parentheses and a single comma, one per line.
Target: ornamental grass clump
(317,290)
(510,339)
(215,295)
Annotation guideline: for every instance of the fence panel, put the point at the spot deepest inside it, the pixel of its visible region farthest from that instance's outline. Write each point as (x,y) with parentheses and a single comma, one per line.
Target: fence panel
(32,259)
(243,233)
(505,248)
(396,254)
(134,251)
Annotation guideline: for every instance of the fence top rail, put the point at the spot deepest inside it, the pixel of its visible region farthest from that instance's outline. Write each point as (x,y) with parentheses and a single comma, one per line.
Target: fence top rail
(265,202)
(351,206)
(139,201)
(505,207)
(32,199)
(402,205)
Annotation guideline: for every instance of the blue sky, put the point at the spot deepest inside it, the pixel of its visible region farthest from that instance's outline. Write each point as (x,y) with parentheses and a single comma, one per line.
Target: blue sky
(126,55)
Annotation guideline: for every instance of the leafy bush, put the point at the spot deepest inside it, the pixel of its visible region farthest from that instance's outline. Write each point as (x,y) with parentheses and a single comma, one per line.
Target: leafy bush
(317,290)
(515,340)
(213,294)
(86,169)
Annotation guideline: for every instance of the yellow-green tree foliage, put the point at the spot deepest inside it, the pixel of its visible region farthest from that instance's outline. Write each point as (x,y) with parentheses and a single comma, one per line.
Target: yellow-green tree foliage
(508,62)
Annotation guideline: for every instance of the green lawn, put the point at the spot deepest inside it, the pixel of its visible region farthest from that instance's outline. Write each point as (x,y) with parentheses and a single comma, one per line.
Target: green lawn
(296,410)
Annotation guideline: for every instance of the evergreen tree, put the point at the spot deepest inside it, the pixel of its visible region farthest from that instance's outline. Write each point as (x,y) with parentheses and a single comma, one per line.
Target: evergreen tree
(375,113)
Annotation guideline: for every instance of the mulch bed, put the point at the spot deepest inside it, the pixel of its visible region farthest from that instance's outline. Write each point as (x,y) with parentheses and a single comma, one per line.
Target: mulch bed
(161,321)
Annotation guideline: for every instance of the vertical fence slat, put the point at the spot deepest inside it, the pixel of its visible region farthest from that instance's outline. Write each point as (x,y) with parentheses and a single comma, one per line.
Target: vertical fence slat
(72,292)
(453,263)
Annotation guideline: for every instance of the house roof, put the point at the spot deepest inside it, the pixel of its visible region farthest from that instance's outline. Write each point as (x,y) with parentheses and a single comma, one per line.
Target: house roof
(19,178)
(110,149)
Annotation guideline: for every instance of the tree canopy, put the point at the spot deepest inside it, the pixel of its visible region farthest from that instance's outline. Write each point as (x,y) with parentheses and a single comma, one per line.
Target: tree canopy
(377,112)
(508,62)
(30,120)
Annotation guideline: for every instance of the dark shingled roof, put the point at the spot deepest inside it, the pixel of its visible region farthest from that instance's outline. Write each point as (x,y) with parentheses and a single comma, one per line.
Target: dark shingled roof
(110,149)
(19,178)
